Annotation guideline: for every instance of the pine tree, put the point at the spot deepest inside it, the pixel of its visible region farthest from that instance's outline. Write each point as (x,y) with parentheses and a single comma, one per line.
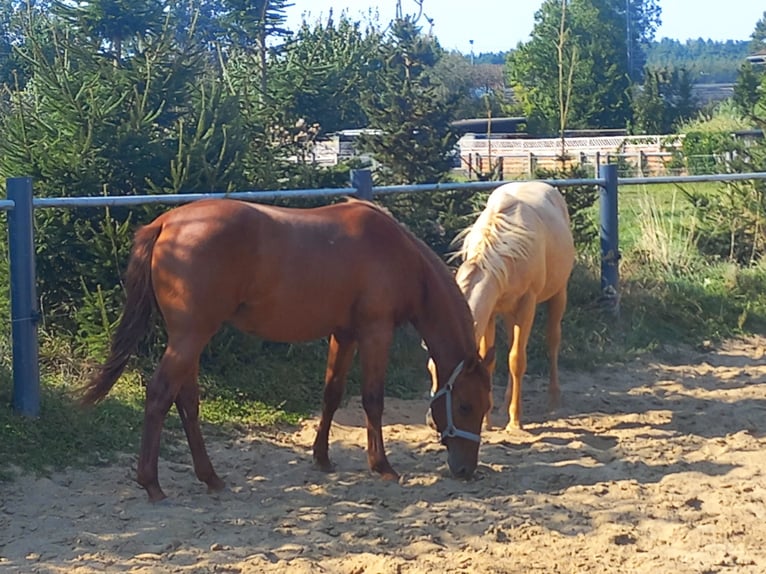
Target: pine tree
(324,70)
(110,24)
(82,125)
(415,143)
(758,37)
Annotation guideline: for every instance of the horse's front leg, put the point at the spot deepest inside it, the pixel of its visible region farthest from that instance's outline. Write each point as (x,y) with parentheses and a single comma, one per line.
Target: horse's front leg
(339,359)
(486,345)
(521,326)
(373,351)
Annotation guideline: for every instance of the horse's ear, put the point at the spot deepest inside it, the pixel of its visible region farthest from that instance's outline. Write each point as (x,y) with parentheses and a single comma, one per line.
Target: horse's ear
(489,357)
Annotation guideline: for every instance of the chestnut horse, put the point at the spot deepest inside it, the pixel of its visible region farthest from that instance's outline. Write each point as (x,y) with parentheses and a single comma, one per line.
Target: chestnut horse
(518,253)
(348,271)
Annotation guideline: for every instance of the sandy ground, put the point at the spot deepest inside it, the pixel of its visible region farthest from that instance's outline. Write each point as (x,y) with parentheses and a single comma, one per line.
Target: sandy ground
(651,466)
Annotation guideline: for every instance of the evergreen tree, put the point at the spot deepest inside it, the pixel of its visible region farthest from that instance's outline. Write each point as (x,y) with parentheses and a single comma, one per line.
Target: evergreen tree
(707,61)
(642,18)
(664,101)
(324,70)
(758,37)
(109,24)
(160,121)
(251,24)
(746,89)
(415,143)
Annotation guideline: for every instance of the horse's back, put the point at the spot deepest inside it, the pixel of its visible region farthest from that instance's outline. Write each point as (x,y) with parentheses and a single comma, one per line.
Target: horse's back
(534,236)
(547,201)
(282,273)
(541,208)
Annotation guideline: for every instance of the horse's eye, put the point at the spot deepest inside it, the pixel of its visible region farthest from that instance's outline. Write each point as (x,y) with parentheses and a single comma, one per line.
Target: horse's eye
(465,409)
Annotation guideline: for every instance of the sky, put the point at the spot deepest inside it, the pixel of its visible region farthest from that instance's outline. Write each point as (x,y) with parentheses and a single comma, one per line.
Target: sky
(499,25)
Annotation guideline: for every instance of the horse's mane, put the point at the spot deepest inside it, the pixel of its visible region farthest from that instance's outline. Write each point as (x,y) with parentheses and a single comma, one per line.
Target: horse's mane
(498,235)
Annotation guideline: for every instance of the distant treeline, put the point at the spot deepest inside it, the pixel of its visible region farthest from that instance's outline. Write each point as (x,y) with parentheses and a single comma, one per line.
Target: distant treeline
(708,61)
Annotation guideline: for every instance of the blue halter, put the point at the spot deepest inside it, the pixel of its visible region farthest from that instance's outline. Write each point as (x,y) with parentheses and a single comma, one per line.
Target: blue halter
(451,430)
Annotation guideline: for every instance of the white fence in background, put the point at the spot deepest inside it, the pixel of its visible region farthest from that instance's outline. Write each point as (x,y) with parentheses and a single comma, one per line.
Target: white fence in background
(648,155)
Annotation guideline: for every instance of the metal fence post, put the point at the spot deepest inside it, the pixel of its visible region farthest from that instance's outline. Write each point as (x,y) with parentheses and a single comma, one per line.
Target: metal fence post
(361,180)
(24,312)
(610,252)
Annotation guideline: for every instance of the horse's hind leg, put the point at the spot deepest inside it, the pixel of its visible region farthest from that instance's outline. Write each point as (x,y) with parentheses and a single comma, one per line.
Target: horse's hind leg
(177,366)
(160,394)
(187,404)
(339,359)
(556,306)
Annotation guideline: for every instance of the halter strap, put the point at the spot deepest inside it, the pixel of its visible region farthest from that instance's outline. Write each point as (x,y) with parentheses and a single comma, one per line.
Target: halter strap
(451,430)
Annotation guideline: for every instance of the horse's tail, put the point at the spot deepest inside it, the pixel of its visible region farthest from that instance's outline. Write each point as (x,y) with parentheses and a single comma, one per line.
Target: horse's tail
(135,317)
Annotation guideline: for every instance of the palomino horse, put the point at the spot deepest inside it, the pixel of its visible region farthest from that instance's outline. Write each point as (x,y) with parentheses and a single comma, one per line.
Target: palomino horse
(348,271)
(518,253)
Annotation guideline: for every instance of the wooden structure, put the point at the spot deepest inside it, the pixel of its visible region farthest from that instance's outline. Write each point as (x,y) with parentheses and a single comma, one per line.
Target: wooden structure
(518,157)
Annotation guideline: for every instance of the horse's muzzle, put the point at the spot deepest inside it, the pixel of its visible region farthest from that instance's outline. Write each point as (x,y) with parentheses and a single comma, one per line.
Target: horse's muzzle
(459,468)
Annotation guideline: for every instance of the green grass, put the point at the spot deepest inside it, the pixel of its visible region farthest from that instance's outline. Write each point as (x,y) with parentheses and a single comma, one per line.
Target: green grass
(664,201)
(66,435)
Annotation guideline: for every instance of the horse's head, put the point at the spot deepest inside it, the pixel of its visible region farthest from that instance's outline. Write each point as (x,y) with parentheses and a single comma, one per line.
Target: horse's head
(457,410)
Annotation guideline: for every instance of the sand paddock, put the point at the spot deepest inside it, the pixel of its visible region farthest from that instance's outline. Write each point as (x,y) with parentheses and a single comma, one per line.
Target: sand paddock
(651,466)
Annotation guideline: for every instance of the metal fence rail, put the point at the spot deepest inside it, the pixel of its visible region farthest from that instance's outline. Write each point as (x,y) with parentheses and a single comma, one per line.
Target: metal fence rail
(21,204)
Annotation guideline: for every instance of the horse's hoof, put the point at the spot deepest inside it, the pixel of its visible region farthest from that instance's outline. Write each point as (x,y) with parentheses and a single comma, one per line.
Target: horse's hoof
(514,426)
(386,472)
(216,485)
(324,465)
(160,499)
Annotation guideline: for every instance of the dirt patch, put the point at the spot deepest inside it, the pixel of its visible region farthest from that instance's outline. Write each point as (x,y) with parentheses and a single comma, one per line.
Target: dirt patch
(650,466)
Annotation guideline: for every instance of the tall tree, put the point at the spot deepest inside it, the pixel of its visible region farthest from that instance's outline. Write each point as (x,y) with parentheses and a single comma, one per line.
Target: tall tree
(664,101)
(642,18)
(595,32)
(324,70)
(109,24)
(252,24)
(758,37)
(415,143)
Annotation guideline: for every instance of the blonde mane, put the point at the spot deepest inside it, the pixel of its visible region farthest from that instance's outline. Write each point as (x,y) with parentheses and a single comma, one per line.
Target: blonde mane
(498,235)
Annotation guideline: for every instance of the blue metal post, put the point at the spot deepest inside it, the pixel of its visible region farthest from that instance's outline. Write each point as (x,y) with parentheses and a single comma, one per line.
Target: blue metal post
(610,252)
(361,180)
(24,312)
